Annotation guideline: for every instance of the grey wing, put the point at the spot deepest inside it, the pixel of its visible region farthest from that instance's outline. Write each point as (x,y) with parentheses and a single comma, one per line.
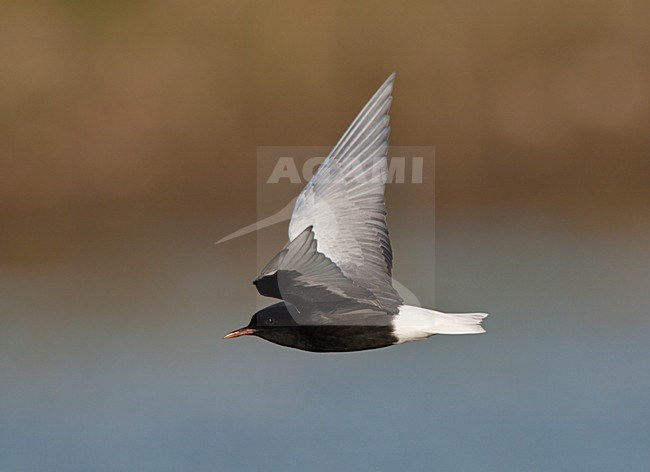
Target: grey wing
(344,203)
(303,276)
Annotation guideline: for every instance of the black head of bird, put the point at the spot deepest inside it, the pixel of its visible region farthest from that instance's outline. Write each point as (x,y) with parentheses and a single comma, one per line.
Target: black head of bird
(273,323)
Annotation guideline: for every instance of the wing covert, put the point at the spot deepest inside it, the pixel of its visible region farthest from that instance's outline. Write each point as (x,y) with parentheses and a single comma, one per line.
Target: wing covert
(303,276)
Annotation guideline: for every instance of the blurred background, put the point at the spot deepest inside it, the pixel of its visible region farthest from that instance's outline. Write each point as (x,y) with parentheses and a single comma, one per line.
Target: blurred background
(128,142)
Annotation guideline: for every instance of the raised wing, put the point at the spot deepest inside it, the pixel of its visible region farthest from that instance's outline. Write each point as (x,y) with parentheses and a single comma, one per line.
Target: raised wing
(344,203)
(301,275)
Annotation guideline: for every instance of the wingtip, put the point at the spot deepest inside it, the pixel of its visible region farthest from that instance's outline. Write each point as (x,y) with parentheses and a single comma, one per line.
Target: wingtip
(385,91)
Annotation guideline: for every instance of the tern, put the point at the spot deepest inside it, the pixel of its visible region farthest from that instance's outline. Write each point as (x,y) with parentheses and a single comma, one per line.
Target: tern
(334,276)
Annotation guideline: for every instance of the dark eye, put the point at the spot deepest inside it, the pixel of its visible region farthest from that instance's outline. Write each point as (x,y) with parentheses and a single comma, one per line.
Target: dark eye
(269,321)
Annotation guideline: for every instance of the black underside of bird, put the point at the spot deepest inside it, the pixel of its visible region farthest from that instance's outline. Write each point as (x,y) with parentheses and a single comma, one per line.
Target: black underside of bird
(334,276)
(283,330)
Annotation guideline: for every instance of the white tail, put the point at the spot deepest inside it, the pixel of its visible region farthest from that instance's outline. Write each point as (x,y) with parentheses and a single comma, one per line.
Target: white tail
(414,323)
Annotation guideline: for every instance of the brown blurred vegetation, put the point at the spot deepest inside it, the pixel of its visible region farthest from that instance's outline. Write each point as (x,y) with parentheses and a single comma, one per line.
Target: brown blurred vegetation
(119,112)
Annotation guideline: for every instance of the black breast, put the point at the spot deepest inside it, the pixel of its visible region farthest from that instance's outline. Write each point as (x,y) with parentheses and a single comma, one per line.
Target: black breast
(328,338)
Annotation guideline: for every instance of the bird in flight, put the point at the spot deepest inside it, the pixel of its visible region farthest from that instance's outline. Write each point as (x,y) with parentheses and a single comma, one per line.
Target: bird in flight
(333,277)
